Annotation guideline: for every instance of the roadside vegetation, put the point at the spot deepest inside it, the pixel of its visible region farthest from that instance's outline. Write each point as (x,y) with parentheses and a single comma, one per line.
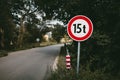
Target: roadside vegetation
(4,53)
(88,69)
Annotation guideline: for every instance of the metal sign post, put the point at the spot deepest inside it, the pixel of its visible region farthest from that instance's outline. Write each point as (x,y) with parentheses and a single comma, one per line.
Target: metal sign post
(79,28)
(78,58)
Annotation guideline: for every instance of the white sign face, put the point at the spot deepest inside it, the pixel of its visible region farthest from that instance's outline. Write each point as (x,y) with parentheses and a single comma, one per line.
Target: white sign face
(80,28)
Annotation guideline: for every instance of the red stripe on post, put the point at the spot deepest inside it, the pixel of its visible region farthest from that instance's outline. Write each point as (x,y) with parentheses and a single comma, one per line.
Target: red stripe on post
(68,64)
(67,61)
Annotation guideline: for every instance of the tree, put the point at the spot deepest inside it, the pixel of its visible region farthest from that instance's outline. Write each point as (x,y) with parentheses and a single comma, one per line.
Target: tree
(54,9)
(7,26)
(102,50)
(58,32)
(25,13)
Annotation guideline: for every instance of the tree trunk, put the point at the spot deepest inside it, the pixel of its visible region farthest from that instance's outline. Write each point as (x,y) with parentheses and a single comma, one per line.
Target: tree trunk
(21,33)
(1,38)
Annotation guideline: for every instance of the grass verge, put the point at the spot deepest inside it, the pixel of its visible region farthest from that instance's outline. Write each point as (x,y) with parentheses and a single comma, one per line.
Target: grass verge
(62,73)
(85,73)
(4,53)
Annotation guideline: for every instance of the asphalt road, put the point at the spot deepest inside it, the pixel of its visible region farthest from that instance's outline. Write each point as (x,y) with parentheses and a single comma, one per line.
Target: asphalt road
(31,64)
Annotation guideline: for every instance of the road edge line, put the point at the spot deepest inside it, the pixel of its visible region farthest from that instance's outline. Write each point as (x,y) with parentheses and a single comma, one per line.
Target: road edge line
(55,67)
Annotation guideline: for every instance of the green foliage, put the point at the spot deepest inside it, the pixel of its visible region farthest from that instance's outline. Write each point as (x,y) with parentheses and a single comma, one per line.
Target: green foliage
(53,8)
(16,16)
(58,32)
(3,53)
(6,25)
(86,69)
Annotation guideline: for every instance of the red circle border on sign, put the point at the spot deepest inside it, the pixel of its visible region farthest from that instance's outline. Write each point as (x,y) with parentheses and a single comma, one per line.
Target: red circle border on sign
(89,32)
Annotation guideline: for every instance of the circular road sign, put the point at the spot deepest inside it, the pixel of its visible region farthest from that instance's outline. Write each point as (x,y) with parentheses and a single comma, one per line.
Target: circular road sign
(80,28)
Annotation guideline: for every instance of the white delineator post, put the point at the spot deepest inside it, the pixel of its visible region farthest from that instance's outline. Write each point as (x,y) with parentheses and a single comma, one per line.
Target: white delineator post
(68,64)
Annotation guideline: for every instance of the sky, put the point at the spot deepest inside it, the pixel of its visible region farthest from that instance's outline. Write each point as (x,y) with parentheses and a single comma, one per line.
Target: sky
(56,22)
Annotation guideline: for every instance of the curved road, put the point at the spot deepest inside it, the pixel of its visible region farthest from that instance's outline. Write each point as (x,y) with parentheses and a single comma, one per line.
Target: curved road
(31,64)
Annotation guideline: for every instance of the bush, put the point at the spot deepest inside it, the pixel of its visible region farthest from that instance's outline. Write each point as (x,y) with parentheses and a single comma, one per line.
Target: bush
(85,70)
(3,53)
